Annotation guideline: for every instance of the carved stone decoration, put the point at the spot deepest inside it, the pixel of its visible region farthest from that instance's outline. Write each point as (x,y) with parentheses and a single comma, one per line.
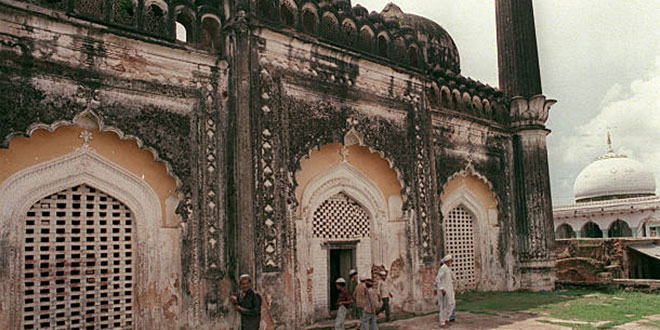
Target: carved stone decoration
(85,166)
(267,178)
(534,207)
(212,227)
(532,112)
(421,189)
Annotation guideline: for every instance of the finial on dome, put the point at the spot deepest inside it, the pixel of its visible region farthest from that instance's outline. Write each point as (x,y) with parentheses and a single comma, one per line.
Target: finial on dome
(609,141)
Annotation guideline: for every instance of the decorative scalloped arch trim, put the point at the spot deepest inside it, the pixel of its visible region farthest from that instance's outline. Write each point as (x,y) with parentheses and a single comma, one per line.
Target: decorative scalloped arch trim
(88,119)
(347,179)
(470,171)
(463,196)
(83,166)
(349,139)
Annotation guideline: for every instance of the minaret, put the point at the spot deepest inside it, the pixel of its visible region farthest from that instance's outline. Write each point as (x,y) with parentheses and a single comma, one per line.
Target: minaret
(521,82)
(516,47)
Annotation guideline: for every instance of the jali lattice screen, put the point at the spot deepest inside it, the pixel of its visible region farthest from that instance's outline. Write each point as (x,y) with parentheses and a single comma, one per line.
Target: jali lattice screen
(78,262)
(340,217)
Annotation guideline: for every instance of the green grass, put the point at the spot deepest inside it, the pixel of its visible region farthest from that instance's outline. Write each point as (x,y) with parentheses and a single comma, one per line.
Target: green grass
(513,301)
(602,310)
(616,308)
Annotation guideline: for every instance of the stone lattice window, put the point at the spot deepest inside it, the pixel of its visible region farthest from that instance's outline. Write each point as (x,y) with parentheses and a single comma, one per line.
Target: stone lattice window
(459,241)
(340,217)
(78,270)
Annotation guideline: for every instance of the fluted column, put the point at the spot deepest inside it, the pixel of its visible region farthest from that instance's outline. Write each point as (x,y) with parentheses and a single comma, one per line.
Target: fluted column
(520,80)
(518,63)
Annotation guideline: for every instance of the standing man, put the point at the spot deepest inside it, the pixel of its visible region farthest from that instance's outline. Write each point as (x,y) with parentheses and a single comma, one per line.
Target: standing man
(370,302)
(359,295)
(445,288)
(248,304)
(352,284)
(385,294)
(343,301)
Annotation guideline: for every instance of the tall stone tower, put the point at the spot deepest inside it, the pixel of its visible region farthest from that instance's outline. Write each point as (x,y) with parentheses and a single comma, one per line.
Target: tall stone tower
(520,80)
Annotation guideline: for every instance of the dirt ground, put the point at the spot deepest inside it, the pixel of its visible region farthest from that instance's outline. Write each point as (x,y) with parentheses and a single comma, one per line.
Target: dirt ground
(469,321)
(501,321)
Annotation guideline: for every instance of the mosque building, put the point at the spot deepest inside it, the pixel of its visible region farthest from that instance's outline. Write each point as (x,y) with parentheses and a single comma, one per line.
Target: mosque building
(614,197)
(152,152)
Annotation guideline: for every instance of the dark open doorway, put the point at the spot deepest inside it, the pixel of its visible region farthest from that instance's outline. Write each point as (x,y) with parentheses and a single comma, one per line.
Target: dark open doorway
(341,261)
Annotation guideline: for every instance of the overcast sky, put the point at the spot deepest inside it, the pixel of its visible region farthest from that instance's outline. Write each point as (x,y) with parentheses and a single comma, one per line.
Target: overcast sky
(599,59)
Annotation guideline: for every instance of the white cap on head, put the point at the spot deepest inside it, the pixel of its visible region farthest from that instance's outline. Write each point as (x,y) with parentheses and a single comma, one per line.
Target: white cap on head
(365,277)
(340,280)
(447,258)
(382,272)
(352,272)
(245,277)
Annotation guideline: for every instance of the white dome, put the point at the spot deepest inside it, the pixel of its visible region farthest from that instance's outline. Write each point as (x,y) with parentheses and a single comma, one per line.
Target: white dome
(613,176)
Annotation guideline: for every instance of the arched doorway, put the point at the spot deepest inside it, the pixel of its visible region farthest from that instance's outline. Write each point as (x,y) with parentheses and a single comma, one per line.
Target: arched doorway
(619,228)
(342,223)
(591,230)
(349,218)
(78,262)
(565,231)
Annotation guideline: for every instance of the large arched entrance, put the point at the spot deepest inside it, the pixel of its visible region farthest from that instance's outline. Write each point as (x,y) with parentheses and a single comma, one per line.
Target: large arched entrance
(87,240)
(345,221)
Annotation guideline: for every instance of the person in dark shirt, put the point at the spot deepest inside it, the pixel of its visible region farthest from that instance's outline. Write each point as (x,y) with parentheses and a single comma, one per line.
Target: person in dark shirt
(343,302)
(248,304)
(352,284)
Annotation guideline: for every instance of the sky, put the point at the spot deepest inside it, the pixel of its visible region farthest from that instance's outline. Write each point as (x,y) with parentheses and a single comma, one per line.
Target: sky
(599,59)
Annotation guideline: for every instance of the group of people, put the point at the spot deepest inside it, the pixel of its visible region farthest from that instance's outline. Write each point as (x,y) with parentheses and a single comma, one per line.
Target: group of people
(364,300)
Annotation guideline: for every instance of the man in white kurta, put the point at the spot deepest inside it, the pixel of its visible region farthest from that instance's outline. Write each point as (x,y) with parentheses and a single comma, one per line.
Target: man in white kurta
(445,288)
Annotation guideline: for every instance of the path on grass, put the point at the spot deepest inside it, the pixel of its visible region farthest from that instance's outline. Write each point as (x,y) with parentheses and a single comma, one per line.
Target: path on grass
(505,321)
(469,321)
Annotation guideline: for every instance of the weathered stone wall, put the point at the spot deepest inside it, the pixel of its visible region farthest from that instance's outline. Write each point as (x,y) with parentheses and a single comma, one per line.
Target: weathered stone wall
(232,112)
(595,260)
(167,98)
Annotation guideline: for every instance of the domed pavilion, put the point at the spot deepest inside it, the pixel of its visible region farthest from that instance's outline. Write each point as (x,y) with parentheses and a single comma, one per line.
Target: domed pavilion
(614,197)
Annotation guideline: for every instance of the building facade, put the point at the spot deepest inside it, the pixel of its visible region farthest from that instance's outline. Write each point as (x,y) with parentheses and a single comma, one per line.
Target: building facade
(614,197)
(153,151)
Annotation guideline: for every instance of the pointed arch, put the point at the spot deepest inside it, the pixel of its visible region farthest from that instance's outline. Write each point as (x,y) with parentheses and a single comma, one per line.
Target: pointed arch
(86,167)
(463,197)
(619,228)
(565,231)
(347,179)
(591,230)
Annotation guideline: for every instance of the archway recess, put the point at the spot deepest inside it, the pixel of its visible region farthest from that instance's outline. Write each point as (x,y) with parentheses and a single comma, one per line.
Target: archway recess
(49,163)
(353,186)
(471,230)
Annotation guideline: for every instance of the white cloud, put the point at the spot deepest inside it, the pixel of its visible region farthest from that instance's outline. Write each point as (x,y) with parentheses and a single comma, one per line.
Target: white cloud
(633,116)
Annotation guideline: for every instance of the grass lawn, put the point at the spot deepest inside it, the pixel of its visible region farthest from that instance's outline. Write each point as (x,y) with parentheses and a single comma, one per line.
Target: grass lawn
(579,309)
